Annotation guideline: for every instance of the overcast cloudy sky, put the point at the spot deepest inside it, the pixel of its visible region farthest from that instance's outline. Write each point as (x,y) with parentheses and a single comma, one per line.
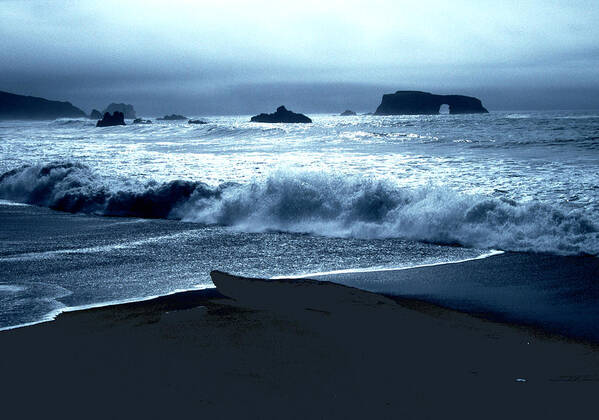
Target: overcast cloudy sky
(245,57)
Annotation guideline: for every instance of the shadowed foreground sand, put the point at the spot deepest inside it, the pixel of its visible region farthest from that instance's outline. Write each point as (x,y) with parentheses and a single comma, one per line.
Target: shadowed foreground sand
(290,349)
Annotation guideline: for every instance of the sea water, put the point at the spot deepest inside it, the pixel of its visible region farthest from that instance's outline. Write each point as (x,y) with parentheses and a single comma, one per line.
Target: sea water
(343,193)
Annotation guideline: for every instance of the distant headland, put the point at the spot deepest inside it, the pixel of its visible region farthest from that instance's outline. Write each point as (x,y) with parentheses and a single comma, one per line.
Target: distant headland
(412,102)
(20,107)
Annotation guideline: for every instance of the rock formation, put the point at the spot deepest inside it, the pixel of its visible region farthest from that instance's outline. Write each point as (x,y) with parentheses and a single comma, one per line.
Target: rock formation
(19,107)
(117,118)
(173,117)
(196,122)
(95,115)
(347,113)
(141,121)
(281,116)
(126,109)
(409,102)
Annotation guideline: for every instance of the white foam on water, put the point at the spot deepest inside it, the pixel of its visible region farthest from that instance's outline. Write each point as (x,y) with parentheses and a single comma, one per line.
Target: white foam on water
(379,269)
(12,203)
(322,203)
(96,249)
(11,288)
(51,316)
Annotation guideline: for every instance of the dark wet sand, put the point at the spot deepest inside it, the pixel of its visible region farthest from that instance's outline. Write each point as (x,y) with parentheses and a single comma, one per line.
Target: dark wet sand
(336,353)
(557,293)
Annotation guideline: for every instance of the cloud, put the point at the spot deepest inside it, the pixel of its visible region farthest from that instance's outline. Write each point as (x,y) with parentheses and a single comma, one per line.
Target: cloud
(204,46)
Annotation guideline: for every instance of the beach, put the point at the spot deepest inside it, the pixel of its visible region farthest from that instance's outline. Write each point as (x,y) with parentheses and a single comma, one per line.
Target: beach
(350,354)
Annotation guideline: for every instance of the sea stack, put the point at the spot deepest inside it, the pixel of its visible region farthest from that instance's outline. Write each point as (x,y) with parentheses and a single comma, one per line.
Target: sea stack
(126,109)
(410,102)
(95,115)
(117,118)
(348,113)
(281,116)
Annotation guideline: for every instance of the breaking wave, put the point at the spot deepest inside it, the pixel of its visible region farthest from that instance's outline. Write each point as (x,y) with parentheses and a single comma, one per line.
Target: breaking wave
(317,203)
(75,188)
(76,123)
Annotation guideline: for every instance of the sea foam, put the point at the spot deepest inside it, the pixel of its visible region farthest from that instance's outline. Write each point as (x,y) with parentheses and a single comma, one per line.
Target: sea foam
(318,203)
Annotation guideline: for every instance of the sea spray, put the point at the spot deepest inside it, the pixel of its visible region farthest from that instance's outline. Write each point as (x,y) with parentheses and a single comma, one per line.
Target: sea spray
(325,204)
(75,188)
(317,203)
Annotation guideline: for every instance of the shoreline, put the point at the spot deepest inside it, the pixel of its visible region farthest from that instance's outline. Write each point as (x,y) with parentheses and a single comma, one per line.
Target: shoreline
(409,298)
(51,316)
(489,254)
(189,295)
(179,299)
(339,352)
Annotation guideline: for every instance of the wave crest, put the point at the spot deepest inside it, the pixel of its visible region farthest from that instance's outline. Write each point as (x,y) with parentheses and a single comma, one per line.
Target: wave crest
(318,203)
(75,188)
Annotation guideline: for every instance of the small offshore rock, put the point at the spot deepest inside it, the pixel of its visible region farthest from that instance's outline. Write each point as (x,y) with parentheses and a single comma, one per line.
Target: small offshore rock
(282,115)
(173,117)
(117,118)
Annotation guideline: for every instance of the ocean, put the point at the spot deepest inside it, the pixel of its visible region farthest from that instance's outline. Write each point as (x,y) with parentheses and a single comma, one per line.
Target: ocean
(91,216)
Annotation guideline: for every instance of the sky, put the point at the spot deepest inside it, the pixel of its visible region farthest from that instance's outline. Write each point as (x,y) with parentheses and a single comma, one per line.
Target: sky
(233,57)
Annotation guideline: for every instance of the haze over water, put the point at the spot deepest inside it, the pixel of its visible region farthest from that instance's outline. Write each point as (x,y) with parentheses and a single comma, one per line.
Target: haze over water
(238,57)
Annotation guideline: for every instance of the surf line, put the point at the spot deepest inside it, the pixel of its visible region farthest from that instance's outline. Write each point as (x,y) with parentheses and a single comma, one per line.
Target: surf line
(491,253)
(96,249)
(52,315)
